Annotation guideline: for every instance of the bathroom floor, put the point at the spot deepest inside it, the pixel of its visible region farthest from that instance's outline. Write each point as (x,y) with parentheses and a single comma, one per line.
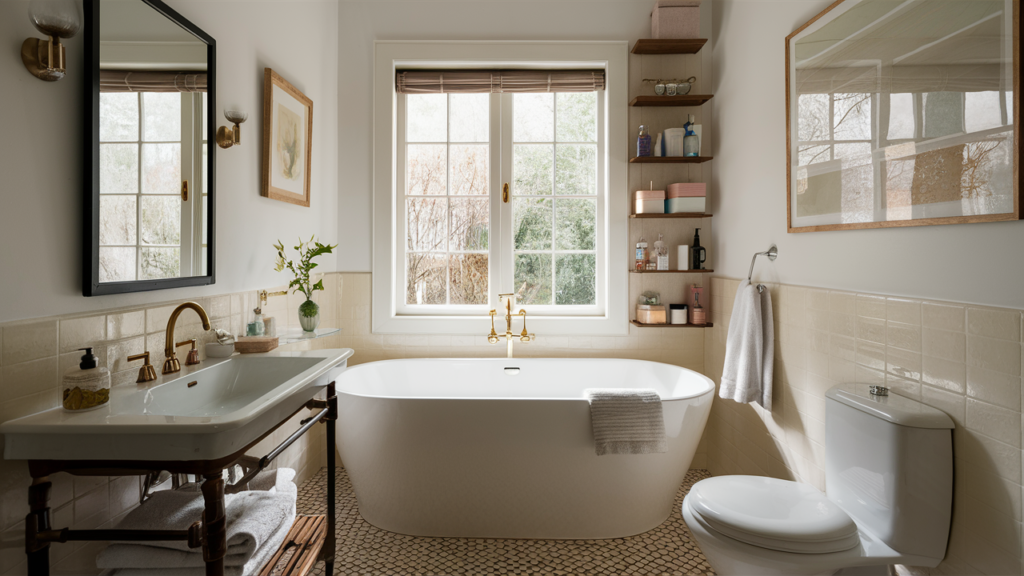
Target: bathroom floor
(365,550)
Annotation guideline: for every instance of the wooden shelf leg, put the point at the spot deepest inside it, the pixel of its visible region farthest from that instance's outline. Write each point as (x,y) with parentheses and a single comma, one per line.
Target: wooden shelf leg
(329,544)
(36,521)
(215,531)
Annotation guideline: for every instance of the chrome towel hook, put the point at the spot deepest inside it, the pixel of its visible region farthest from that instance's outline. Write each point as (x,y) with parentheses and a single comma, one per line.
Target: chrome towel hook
(772,253)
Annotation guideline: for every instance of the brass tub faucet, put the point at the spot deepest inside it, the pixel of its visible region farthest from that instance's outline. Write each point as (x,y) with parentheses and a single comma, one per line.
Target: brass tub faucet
(510,337)
(172,364)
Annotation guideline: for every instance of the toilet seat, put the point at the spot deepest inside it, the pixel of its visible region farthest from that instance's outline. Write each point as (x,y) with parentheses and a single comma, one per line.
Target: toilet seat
(773,514)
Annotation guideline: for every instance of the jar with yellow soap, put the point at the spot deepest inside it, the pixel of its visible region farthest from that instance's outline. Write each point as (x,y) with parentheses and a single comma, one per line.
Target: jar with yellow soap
(86,387)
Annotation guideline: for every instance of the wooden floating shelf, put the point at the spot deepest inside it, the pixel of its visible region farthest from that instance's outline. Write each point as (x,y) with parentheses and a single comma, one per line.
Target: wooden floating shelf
(642,325)
(704,271)
(678,100)
(676,215)
(669,45)
(670,159)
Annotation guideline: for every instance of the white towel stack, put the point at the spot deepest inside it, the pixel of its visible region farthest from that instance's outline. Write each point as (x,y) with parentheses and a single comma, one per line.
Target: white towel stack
(258,521)
(750,348)
(627,421)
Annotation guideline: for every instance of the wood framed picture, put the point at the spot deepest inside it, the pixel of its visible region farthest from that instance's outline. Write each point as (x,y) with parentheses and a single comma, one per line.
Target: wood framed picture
(287,140)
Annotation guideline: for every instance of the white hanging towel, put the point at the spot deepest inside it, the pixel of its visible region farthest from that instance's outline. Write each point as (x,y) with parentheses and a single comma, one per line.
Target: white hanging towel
(750,348)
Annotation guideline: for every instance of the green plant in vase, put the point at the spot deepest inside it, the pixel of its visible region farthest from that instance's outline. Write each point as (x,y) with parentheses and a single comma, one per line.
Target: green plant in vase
(309,311)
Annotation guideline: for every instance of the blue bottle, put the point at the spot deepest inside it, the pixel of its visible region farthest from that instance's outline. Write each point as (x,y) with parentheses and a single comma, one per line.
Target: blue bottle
(691,142)
(643,142)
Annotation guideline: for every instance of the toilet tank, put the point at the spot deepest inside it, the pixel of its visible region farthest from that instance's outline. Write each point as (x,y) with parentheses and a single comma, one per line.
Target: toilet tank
(889,465)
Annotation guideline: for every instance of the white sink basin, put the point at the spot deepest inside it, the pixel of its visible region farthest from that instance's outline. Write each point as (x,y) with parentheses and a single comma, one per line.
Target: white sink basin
(232,402)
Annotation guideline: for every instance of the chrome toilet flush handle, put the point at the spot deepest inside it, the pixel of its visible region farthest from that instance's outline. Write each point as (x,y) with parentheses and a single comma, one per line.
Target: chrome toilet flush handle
(878,390)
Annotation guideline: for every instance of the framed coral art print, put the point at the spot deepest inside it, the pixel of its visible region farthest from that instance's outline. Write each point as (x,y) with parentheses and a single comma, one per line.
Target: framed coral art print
(287,140)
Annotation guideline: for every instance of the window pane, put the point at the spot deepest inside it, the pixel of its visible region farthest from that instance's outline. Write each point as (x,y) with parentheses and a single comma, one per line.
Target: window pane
(813,123)
(576,169)
(576,279)
(469,219)
(119,168)
(469,168)
(470,117)
(532,225)
(533,278)
(533,118)
(160,263)
(982,111)
(426,278)
(533,169)
(468,277)
(901,116)
(117,264)
(161,168)
(119,117)
(161,120)
(426,169)
(852,116)
(577,116)
(575,221)
(426,117)
(425,223)
(814,154)
(851,151)
(161,220)
(118,220)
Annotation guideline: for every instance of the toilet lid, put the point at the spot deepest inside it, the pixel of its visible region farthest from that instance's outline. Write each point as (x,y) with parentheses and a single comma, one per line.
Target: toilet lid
(774,514)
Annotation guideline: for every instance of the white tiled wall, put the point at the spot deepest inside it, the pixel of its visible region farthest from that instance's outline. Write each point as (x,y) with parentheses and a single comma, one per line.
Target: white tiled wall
(962,359)
(33,356)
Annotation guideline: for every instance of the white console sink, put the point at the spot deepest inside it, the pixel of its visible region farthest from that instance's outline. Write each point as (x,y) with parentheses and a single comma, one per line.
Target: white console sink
(204,412)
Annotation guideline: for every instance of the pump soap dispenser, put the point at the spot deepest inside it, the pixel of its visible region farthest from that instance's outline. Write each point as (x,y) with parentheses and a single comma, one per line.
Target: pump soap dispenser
(699,253)
(87,386)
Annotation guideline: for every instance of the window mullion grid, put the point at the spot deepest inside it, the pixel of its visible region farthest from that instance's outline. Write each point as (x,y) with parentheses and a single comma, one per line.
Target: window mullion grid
(138,193)
(554,191)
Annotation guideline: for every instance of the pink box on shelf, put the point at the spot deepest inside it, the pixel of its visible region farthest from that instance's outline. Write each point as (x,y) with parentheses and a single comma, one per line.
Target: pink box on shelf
(686,190)
(650,202)
(676,19)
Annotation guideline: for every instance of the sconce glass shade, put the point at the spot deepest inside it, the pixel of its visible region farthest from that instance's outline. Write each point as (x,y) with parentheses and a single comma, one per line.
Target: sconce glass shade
(60,18)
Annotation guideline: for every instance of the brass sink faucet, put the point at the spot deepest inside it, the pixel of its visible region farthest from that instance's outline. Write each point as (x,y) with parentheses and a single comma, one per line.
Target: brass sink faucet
(172,365)
(524,336)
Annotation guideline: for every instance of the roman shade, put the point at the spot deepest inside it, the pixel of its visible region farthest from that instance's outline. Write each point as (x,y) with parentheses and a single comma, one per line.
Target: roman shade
(155,81)
(497,81)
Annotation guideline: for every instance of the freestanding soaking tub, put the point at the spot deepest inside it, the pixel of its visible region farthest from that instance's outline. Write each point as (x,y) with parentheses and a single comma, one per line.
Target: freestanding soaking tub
(496,448)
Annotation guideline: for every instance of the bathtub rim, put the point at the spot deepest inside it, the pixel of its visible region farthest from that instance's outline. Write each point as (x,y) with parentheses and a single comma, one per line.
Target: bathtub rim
(710,390)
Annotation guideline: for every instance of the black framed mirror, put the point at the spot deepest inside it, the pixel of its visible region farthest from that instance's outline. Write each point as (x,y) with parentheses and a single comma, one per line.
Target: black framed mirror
(150,141)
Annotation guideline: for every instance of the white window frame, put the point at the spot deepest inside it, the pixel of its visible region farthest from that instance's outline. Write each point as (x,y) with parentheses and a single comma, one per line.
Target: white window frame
(610,316)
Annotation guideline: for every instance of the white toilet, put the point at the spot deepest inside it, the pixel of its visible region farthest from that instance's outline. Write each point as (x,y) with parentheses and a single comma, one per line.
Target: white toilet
(888,499)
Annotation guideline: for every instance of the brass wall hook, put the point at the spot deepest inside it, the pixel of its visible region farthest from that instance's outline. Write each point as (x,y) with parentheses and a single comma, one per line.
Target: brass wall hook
(146,373)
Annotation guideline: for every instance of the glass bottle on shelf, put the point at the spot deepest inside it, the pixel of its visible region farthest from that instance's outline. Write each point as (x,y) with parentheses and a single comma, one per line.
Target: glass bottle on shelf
(691,142)
(643,142)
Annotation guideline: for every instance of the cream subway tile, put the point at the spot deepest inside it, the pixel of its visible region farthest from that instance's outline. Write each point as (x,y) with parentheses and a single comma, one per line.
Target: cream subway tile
(78,333)
(903,364)
(992,354)
(86,484)
(869,306)
(15,479)
(842,302)
(871,330)
(157,317)
(994,387)
(944,344)
(867,375)
(63,489)
(905,336)
(237,304)
(999,493)
(818,320)
(843,348)
(906,388)
(942,373)
(218,306)
(943,316)
(117,354)
(28,405)
(949,402)
(903,311)
(26,378)
(840,370)
(63,517)
(817,363)
(996,527)
(126,324)
(988,454)
(124,494)
(999,423)
(843,324)
(819,341)
(870,354)
(994,323)
(30,341)
(816,299)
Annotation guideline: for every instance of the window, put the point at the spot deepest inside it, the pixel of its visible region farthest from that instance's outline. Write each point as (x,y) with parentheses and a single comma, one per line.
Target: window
(451,243)
(146,152)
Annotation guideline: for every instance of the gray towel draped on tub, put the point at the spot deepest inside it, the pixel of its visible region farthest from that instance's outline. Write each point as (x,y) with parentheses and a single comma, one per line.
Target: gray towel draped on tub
(627,421)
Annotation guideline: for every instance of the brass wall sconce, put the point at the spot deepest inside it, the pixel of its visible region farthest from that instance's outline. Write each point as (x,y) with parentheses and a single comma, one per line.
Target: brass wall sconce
(228,137)
(57,19)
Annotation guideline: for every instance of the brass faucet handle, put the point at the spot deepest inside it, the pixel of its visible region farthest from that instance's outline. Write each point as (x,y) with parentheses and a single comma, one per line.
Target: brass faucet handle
(493,336)
(524,336)
(146,373)
(193,353)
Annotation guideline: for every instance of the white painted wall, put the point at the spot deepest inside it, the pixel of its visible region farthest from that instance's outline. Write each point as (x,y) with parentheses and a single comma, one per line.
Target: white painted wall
(41,156)
(976,263)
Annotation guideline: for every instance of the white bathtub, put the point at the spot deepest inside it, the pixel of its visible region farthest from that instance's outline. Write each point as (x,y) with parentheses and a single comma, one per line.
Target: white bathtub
(496,448)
